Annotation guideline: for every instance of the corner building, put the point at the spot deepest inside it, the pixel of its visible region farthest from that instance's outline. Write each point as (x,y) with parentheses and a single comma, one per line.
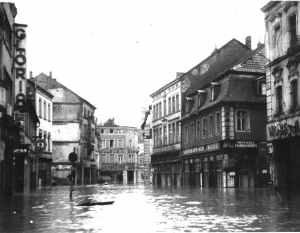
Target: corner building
(283,109)
(223,119)
(166,133)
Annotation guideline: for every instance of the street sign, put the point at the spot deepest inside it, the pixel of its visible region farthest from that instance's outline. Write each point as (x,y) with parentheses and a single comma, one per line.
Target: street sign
(73,157)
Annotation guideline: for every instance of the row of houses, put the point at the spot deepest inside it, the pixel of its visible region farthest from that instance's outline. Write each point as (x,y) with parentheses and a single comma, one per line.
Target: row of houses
(41,121)
(232,120)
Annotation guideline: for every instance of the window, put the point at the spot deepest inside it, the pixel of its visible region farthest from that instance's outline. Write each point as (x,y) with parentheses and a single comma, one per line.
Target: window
(173,104)
(160,109)
(211,125)
(45,110)
(177,103)
(242,120)
(218,123)
(49,112)
(293,29)
(165,107)
(294,94)
(170,134)
(204,127)
(111,131)
(212,94)
(277,40)
(279,99)
(174,132)
(198,130)
(262,88)
(111,143)
(169,105)
(49,142)
(165,135)
(177,132)
(40,107)
(2,96)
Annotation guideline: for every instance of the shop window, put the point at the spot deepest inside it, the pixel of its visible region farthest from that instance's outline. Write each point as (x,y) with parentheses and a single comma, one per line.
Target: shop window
(242,120)
(294,94)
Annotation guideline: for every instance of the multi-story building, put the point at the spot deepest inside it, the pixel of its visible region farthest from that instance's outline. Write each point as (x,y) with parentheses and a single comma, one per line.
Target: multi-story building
(43,106)
(119,153)
(283,99)
(166,129)
(223,118)
(8,127)
(73,131)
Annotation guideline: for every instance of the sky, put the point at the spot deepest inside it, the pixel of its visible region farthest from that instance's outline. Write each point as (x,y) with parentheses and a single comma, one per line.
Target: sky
(115,53)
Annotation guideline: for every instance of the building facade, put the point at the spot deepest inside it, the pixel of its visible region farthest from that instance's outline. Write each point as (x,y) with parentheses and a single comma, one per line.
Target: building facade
(43,106)
(119,153)
(283,115)
(8,127)
(166,132)
(223,122)
(73,131)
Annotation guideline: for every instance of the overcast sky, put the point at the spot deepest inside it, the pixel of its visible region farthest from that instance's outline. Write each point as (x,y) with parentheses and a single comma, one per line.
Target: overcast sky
(116,53)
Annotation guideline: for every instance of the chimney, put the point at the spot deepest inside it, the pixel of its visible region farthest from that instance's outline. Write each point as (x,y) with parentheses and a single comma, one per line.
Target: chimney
(50,74)
(248,42)
(30,75)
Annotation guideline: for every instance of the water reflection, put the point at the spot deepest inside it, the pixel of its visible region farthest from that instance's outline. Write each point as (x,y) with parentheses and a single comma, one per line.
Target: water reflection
(148,209)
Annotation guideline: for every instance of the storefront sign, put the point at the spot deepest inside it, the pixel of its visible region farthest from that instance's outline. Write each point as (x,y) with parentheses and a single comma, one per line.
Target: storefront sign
(245,144)
(20,65)
(210,147)
(214,146)
(283,129)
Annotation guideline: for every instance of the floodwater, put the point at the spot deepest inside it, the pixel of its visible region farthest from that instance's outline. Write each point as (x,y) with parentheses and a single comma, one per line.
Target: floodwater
(148,209)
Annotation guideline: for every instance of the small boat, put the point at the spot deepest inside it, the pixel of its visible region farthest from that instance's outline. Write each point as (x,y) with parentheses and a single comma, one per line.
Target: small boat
(92,203)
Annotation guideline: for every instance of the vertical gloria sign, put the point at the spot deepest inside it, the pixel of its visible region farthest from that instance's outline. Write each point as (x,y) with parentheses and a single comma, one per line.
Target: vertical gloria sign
(20,66)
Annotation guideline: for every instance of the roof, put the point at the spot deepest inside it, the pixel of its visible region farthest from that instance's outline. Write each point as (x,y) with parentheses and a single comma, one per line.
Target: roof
(217,63)
(269,5)
(40,88)
(232,89)
(48,83)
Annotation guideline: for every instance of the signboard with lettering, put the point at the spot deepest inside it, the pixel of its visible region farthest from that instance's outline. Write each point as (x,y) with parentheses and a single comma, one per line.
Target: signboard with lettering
(20,66)
(283,129)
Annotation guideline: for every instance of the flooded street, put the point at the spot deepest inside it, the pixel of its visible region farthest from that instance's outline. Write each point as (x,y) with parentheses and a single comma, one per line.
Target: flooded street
(148,209)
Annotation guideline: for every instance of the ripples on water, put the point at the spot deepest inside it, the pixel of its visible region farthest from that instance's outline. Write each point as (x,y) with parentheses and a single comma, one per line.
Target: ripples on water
(147,209)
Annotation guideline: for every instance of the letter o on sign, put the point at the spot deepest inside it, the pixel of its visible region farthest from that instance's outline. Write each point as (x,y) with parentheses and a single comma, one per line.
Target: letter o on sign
(73,157)
(20,33)
(20,59)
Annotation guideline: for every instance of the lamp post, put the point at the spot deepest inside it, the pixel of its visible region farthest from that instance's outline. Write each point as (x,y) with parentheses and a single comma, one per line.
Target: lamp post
(72,158)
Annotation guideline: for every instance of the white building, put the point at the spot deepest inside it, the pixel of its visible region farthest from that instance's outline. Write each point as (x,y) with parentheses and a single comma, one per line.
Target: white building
(166,131)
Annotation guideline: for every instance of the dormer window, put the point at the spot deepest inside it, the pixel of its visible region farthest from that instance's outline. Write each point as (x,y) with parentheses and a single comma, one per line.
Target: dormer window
(213,91)
(201,97)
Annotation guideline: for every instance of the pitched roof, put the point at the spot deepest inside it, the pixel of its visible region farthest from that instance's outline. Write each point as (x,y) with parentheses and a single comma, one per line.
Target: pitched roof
(48,83)
(254,62)
(214,65)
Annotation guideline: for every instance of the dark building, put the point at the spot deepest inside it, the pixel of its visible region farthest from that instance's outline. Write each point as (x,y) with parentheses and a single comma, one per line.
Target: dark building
(224,117)
(8,127)
(283,86)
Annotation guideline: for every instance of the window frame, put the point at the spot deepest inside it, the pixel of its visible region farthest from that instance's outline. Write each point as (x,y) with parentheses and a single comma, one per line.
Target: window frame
(247,121)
